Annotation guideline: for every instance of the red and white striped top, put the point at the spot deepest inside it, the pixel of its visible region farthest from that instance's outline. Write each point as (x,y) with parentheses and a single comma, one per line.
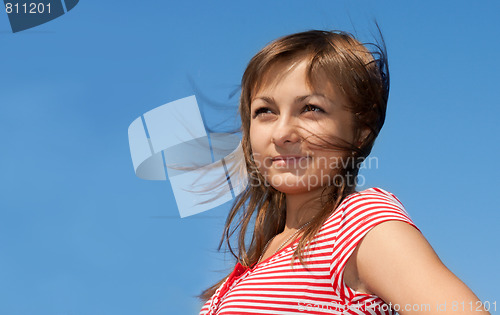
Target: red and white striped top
(273,287)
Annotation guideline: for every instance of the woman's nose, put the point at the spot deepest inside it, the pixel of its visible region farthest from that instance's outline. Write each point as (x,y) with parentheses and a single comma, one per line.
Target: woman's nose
(285,132)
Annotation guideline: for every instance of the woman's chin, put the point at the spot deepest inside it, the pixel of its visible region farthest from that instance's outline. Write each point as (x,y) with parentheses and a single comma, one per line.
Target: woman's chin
(292,184)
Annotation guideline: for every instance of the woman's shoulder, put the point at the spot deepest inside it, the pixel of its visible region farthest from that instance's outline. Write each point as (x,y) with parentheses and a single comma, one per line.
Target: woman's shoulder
(370,196)
(371,202)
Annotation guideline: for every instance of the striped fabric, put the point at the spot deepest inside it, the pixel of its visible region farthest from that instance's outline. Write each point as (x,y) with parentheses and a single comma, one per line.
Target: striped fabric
(273,287)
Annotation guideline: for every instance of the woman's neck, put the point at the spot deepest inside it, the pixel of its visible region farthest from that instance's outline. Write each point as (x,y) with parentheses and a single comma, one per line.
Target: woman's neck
(302,208)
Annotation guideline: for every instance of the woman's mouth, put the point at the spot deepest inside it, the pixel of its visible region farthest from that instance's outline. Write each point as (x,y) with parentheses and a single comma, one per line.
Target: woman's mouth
(291,161)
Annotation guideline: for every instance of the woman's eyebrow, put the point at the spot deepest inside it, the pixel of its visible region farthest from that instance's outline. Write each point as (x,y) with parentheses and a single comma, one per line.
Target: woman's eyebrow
(298,99)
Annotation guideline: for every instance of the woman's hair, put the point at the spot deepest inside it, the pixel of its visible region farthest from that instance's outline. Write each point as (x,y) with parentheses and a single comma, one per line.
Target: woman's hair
(361,77)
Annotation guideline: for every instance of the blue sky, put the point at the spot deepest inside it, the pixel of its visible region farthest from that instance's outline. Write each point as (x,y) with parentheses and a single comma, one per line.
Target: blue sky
(81,234)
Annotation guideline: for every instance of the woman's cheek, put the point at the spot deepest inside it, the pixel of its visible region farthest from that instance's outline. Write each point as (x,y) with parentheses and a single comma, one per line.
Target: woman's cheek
(261,166)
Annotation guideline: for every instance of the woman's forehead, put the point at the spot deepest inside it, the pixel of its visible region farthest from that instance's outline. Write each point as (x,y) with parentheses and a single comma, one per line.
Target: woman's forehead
(278,71)
(274,74)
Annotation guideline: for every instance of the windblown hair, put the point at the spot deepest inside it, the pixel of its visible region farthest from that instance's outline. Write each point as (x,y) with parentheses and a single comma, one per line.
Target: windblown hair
(361,76)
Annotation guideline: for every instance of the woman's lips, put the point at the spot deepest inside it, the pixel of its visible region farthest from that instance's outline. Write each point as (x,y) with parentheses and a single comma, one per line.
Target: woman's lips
(290,161)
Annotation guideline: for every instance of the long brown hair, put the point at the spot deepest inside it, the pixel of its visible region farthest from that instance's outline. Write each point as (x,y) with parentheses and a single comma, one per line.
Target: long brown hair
(361,76)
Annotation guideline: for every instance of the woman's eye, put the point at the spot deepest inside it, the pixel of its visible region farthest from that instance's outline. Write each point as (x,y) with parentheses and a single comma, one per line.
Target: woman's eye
(261,110)
(307,108)
(313,108)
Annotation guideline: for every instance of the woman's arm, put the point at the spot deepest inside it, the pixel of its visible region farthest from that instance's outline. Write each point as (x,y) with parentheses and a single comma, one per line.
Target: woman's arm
(395,262)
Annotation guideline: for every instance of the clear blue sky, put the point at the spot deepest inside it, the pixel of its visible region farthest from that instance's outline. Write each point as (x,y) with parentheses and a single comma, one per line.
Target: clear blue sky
(81,234)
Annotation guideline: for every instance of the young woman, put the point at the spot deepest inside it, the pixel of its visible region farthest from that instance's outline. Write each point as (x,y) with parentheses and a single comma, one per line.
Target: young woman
(312,105)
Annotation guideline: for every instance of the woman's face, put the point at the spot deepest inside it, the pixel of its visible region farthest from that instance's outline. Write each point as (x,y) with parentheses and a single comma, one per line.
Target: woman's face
(284,113)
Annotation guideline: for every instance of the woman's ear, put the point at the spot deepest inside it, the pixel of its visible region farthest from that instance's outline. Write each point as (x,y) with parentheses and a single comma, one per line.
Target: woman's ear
(363,135)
